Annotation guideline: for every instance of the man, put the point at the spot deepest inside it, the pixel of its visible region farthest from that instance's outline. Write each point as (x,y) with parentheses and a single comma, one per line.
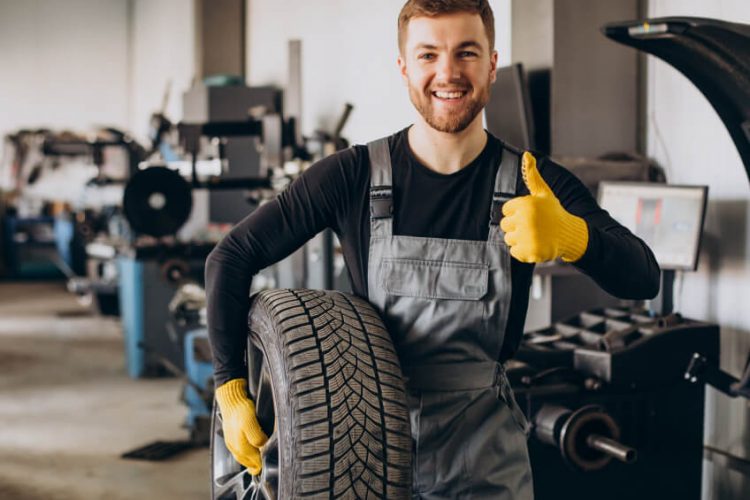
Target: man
(419,218)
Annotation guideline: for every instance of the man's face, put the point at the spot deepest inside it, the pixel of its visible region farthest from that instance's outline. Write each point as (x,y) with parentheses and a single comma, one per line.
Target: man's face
(447,64)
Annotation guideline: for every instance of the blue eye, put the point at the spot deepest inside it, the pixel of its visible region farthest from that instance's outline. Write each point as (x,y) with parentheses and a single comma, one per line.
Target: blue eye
(467,53)
(427,56)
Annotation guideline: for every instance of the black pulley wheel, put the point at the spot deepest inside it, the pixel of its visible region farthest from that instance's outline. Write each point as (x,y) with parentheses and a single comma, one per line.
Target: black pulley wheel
(329,393)
(157,201)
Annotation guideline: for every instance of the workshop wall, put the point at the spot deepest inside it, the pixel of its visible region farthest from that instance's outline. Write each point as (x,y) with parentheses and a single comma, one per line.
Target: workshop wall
(63,64)
(349,55)
(163,55)
(686,136)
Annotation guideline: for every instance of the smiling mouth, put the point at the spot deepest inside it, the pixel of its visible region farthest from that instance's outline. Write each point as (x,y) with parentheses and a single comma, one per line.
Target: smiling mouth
(449,95)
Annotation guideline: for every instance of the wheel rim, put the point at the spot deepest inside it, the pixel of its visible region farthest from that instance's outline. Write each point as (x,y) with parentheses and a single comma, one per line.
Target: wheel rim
(231,480)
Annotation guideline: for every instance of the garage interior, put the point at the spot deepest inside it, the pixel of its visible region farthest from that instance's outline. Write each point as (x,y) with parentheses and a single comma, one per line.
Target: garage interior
(136,133)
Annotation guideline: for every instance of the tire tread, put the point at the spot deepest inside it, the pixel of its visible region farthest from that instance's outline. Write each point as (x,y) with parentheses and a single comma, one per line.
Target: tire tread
(350,418)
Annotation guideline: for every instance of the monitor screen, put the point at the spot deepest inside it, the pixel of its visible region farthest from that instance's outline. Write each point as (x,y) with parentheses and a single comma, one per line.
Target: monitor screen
(508,112)
(668,218)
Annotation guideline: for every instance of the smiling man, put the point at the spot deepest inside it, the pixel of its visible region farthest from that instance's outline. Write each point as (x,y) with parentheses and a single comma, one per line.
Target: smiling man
(448,92)
(440,225)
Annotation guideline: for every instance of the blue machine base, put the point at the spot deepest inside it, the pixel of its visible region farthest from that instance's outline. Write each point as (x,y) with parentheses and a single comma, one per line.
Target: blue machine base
(199,371)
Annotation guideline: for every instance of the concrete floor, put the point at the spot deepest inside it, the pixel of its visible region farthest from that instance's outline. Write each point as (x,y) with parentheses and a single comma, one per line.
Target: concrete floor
(68,410)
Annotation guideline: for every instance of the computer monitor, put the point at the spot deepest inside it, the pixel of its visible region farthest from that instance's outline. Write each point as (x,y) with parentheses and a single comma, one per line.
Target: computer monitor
(668,218)
(508,112)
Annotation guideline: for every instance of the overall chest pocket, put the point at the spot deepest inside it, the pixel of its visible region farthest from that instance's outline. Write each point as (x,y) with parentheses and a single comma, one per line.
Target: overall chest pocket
(429,279)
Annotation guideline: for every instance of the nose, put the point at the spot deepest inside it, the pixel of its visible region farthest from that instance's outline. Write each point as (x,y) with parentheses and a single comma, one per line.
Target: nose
(448,69)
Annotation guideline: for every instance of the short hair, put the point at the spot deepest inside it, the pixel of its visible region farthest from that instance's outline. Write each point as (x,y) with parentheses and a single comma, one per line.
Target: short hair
(434,8)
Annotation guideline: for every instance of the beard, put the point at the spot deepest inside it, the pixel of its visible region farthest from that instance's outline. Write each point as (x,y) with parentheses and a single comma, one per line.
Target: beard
(453,122)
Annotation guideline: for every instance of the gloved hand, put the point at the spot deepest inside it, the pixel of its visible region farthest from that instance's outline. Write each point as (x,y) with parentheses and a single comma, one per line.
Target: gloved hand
(242,432)
(537,227)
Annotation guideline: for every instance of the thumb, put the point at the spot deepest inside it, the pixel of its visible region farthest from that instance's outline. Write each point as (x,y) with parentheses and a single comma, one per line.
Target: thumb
(531,176)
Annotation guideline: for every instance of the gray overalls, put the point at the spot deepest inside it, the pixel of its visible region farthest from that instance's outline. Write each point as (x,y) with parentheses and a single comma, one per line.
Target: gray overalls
(445,303)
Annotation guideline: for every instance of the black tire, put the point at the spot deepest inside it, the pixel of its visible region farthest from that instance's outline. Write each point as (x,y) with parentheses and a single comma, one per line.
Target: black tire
(329,393)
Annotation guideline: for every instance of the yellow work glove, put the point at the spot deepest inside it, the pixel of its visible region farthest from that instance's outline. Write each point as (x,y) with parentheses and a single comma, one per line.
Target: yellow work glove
(537,227)
(242,432)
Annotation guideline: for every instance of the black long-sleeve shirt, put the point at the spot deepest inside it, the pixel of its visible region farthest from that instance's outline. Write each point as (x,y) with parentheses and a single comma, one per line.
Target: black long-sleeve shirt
(334,193)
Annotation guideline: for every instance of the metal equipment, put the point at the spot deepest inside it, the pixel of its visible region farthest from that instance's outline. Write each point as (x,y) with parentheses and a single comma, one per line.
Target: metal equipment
(612,414)
(198,392)
(187,330)
(241,128)
(702,370)
(587,437)
(157,203)
(63,145)
(605,388)
(70,181)
(149,276)
(715,56)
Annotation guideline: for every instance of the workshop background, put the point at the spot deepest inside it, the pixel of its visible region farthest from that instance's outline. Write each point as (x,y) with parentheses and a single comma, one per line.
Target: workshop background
(73,398)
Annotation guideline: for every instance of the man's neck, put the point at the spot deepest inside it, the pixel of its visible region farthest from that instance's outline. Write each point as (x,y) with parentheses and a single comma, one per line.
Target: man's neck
(444,152)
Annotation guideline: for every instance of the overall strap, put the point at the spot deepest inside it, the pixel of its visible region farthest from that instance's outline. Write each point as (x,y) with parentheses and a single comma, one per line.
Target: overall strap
(381,190)
(505,182)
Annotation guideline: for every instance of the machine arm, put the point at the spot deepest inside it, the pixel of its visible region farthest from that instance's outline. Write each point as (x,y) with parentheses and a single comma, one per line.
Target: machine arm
(703,371)
(713,54)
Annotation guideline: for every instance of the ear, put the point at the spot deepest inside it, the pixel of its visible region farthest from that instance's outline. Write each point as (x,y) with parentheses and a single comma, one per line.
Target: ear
(402,68)
(493,66)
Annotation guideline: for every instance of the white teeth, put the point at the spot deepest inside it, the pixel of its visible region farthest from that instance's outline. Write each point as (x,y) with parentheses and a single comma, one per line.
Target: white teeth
(449,95)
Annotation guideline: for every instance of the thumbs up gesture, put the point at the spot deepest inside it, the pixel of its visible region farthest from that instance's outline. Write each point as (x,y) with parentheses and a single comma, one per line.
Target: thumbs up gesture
(537,227)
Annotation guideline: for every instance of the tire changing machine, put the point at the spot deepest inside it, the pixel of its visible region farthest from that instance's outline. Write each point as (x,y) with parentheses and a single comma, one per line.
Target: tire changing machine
(615,396)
